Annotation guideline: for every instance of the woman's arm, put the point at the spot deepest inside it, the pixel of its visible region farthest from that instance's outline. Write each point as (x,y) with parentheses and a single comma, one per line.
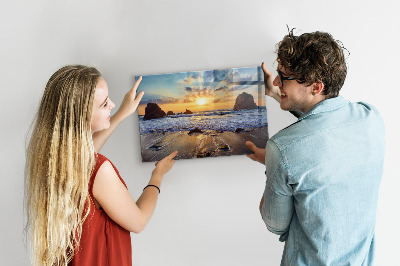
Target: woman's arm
(116,201)
(128,107)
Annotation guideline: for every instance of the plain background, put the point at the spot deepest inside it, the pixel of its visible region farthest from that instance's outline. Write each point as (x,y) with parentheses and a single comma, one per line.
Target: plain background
(208,208)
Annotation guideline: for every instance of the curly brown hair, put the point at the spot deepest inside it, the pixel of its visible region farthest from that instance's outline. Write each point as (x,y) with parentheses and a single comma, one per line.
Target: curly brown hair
(314,57)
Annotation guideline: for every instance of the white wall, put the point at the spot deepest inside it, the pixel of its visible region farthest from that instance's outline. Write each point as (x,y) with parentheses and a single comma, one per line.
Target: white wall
(208,208)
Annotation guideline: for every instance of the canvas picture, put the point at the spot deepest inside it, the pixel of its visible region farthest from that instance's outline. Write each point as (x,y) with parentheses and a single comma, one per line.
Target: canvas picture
(202,113)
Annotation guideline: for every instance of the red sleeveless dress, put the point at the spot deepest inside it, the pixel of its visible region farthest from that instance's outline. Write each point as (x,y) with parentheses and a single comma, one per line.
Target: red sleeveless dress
(103,241)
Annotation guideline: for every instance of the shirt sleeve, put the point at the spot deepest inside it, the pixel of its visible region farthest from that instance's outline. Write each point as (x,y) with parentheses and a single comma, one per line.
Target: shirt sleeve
(277,209)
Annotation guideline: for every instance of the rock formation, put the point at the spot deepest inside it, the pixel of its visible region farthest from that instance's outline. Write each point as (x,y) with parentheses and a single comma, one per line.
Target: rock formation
(170,113)
(244,101)
(153,111)
(188,112)
(224,147)
(196,130)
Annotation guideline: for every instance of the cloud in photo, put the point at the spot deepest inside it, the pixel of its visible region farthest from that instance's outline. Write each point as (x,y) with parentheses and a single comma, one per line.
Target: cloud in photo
(159,99)
(192,94)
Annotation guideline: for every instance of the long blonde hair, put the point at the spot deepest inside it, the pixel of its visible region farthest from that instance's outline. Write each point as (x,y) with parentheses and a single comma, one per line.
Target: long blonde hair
(59,161)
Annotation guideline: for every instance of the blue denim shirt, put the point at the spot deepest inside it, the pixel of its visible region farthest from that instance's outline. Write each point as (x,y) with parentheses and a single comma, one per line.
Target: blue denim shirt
(323,175)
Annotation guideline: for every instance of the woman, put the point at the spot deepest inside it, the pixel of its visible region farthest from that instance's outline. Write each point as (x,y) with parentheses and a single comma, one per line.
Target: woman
(78,207)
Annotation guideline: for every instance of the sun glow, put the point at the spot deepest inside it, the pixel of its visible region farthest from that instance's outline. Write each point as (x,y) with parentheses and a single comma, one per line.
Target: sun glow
(201,101)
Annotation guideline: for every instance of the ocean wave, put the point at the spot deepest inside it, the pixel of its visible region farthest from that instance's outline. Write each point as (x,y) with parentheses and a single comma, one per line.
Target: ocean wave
(226,120)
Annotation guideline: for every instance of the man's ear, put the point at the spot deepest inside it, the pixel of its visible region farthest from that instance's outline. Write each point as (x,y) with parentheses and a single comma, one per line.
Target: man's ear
(317,88)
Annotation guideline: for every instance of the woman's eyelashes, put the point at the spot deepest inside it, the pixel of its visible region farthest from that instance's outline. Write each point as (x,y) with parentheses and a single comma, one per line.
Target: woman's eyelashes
(106,103)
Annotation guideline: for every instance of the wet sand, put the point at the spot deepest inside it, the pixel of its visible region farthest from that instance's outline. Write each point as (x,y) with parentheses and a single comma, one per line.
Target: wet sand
(209,143)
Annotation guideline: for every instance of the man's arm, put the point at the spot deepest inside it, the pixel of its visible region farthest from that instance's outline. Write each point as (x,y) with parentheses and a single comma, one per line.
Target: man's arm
(276,206)
(276,211)
(261,203)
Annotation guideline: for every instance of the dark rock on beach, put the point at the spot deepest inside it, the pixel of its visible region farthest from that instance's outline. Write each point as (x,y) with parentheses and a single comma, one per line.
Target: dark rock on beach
(244,101)
(204,154)
(196,130)
(224,147)
(188,112)
(153,111)
(170,113)
(239,129)
(155,148)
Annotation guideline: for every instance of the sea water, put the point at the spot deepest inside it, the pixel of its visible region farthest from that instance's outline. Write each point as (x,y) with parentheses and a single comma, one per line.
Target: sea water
(225,120)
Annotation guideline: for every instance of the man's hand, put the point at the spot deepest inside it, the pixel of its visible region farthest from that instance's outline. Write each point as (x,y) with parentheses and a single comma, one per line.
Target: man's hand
(270,89)
(259,154)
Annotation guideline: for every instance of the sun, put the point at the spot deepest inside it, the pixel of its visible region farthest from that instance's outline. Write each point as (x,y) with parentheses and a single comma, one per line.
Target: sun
(201,101)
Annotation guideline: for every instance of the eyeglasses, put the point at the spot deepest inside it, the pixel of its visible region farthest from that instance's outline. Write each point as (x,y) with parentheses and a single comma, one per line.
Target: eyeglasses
(282,78)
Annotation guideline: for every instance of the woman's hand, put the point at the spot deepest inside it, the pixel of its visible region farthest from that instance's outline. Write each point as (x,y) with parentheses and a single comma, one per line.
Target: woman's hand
(270,89)
(163,166)
(131,100)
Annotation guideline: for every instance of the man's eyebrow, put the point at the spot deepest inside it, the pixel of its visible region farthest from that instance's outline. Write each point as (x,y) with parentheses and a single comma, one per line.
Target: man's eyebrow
(283,74)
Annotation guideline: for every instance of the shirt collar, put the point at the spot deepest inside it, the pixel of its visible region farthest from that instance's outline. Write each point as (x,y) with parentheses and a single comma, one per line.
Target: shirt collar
(325,106)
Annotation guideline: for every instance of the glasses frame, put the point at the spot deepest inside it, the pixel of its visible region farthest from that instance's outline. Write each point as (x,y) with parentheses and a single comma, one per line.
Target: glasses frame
(282,78)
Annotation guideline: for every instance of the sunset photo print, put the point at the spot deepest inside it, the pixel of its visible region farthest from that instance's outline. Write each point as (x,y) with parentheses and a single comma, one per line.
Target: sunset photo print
(201,114)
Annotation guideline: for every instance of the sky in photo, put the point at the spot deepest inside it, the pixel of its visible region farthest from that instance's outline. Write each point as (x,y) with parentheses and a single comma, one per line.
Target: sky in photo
(201,90)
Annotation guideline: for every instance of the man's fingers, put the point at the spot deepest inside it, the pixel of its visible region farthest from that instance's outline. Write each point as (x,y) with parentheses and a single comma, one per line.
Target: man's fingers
(251,145)
(251,156)
(265,69)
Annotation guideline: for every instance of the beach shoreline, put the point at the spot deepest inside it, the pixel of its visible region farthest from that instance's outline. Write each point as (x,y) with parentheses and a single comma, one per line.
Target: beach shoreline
(205,143)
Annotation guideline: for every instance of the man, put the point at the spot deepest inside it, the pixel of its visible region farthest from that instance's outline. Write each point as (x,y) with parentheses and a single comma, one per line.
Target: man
(323,171)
